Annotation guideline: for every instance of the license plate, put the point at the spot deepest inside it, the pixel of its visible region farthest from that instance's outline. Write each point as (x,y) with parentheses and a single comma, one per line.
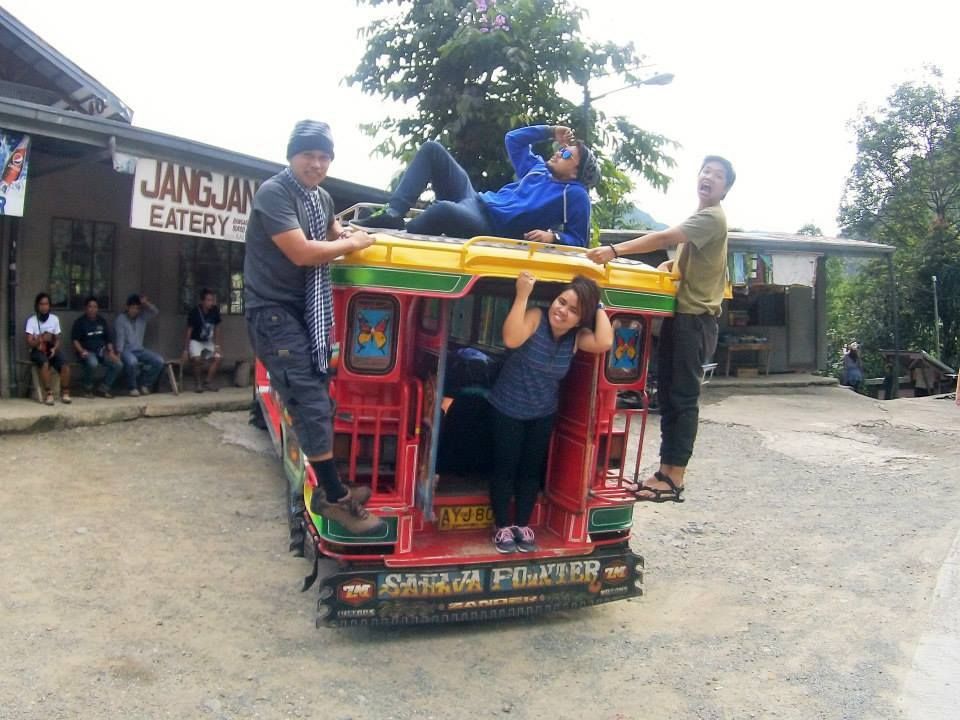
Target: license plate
(465,517)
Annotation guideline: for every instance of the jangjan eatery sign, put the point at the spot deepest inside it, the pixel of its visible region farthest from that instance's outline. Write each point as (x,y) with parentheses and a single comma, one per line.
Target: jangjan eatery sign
(168,197)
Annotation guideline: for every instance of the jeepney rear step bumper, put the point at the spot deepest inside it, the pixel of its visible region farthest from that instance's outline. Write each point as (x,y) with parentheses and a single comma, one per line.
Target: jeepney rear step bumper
(380,595)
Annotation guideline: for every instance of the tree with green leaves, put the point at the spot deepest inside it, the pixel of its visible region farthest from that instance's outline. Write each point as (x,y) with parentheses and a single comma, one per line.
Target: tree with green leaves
(475,69)
(811,230)
(904,190)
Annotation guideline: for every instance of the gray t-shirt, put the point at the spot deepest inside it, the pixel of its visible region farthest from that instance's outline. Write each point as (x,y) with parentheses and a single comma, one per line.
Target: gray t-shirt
(270,278)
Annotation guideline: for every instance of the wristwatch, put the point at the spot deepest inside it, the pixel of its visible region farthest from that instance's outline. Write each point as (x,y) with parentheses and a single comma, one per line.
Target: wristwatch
(556,236)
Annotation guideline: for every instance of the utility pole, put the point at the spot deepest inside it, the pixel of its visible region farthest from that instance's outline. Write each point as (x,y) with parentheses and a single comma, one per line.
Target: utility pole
(936,318)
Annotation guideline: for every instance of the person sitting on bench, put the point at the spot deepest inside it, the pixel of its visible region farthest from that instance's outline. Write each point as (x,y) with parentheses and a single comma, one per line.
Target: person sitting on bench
(93,344)
(43,339)
(202,341)
(131,325)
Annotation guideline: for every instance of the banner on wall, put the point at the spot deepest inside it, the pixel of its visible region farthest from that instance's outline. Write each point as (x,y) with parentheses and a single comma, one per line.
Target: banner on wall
(174,198)
(14,159)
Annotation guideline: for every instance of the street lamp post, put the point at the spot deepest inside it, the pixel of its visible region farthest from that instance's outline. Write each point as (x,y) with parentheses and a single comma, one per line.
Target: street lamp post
(588,99)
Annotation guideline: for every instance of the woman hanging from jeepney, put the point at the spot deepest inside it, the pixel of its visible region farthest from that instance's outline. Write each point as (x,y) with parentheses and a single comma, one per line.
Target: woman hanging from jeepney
(527,393)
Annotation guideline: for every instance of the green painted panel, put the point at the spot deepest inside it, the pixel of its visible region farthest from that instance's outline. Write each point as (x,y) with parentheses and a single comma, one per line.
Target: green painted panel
(639,300)
(436,282)
(335,532)
(610,519)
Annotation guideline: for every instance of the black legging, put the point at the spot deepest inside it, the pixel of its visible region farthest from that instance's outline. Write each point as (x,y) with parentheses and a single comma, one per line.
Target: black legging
(520,458)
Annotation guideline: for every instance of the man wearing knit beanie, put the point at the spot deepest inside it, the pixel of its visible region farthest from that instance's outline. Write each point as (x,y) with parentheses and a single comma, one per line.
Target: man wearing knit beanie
(310,135)
(291,238)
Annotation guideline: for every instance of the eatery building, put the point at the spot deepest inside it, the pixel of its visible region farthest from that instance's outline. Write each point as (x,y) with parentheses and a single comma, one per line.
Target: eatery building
(92,205)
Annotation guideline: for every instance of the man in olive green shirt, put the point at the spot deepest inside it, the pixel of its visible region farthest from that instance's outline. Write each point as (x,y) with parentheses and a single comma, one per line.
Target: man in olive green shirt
(689,338)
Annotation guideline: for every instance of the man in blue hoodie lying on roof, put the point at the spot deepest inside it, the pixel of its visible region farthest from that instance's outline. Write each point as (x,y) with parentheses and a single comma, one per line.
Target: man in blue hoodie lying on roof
(548,203)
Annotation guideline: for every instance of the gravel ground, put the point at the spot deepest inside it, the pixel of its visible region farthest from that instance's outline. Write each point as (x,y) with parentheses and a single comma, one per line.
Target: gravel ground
(145,575)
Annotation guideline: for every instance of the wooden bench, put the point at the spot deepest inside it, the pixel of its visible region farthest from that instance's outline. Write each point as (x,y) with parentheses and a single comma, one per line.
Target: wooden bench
(35,385)
(172,370)
(757,347)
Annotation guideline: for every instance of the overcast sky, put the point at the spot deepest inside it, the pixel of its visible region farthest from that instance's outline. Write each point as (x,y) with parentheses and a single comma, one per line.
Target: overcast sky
(772,86)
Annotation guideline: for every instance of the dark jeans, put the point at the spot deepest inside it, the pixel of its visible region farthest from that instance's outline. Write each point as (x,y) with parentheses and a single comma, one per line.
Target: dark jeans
(90,364)
(686,343)
(152,366)
(458,210)
(282,343)
(520,457)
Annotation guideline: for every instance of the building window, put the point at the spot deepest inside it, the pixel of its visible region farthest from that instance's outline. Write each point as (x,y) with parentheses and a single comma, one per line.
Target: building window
(213,264)
(81,263)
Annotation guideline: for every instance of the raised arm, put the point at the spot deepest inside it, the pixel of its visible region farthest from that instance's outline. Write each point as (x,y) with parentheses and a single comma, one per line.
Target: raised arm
(521,323)
(519,144)
(598,340)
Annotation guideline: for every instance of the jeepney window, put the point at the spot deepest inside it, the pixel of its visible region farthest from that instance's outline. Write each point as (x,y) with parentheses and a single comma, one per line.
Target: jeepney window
(461,322)
(623,359)
(430,317)
(372,334)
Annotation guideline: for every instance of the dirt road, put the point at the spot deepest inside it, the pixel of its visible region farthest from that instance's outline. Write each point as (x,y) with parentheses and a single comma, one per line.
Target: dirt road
(144,574)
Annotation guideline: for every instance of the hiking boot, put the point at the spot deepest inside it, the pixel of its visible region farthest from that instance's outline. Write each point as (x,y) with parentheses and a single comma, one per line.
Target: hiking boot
(504,542)
(348,512)
(360,494)
(381,220)
(524,538)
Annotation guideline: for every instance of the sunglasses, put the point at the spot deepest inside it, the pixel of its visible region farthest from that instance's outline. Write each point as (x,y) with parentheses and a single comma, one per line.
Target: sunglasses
(566,153)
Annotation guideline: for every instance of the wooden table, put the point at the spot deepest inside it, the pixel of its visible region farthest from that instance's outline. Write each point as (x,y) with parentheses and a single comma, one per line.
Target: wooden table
(730,349)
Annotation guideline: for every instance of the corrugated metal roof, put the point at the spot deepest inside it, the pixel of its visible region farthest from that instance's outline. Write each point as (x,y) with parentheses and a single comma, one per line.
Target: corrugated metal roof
(770,242)
(50,71)
(97,132)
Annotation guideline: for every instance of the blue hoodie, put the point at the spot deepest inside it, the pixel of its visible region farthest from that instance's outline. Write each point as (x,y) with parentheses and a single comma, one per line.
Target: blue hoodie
(538,201)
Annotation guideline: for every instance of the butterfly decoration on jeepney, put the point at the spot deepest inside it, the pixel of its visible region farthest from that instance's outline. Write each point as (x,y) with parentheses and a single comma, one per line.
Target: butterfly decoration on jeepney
(626,346)
(625,352)
(370,333)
